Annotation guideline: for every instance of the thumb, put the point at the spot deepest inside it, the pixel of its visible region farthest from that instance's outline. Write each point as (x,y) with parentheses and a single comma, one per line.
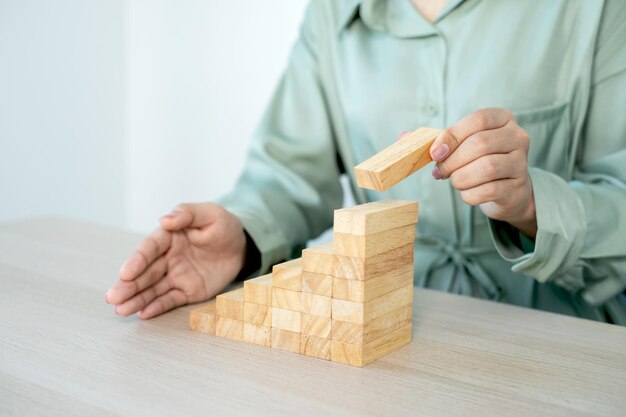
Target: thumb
(191,215)
(444,145)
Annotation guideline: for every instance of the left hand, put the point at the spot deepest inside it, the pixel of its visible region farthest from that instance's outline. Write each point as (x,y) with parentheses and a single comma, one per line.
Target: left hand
(485,156)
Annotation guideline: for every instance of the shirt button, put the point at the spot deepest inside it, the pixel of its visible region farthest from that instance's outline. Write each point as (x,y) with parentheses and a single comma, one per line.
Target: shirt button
(432,110)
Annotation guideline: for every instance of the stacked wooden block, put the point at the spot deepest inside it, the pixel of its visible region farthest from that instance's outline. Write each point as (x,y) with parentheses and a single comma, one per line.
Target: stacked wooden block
(348,301)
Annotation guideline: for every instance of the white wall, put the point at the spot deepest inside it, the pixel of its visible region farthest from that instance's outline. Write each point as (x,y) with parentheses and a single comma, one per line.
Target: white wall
(61,109)
(199,76)
(114,111)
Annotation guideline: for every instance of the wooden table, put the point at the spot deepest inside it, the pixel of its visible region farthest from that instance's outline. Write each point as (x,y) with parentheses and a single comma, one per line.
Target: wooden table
(63,351)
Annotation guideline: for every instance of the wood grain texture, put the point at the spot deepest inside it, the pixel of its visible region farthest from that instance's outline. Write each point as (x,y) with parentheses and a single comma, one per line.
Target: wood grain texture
(288,275)
(204,319)
(373,244)
(359,334)
(361,291)
(318,326)
(257,314)
(318,259)
(229,328)
(259,335)
(230,304)
(397,161)
(258,290)
(361,355)
(375,217)
(364,312)
(285,340)
(287,299)
(315,304)
(286,319)
(316,347)
(369,268)
(317,283)
(64,353)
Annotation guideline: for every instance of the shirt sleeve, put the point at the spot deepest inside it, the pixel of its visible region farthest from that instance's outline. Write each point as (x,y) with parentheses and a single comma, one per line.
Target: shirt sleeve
(290,184)
(581,237)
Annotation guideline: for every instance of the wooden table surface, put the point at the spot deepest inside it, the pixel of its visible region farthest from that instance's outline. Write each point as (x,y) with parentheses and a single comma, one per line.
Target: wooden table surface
(63,351)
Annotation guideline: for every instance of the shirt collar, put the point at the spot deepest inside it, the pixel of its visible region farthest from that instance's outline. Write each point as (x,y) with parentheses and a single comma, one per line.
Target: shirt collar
(397,17)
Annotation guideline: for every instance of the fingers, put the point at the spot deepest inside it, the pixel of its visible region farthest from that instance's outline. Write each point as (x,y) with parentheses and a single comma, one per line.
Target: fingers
(496,141)
(144,298)
(191,215)
(485,169)
(172,299)
(480,120)
(404,134)
(493,191)
(150,249)
(123,290)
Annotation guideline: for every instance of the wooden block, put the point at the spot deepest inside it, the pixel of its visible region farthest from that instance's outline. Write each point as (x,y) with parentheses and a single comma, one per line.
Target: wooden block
(373,244)
(356,312)
(318,259)
(286,319)
(397,161)
(316,326)
(288,275)
(368,268)
(259,335)
(203,319)
(375,217)
(362,291)
(359,334)
(315,304)
(361,355)
(317,347)
(317,283)
(230,304)
(258,290)
(285,340)
(287,299)
(258,314)
(229,328)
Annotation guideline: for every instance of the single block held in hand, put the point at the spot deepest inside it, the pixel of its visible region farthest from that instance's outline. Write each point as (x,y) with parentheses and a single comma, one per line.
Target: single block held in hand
(396,162)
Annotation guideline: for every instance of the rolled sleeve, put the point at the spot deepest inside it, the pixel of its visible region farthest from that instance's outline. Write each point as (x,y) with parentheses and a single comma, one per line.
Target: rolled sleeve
(561,231)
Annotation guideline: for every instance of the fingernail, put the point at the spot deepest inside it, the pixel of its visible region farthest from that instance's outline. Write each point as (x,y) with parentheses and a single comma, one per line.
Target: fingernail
(106,297)
(170,215)
(404,134)
(440,152)
(437,174)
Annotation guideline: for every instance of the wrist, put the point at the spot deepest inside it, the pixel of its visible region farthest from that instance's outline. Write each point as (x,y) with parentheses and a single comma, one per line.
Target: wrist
(251,259)
(527,221)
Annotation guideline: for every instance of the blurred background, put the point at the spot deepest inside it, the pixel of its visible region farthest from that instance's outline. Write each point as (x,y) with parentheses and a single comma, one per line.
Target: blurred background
(114,111)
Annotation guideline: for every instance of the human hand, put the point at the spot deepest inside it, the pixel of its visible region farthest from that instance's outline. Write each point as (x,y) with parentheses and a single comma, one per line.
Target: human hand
(195,253)
(485,157)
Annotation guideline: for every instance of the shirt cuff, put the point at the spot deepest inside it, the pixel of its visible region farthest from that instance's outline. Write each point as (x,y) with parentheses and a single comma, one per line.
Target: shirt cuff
(561,230)
(262,230)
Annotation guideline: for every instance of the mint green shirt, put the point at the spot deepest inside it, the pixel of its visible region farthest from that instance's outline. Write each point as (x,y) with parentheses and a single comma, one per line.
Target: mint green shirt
(363,71)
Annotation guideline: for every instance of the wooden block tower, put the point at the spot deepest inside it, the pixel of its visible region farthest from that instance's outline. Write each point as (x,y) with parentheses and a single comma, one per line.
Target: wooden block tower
(348,301)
